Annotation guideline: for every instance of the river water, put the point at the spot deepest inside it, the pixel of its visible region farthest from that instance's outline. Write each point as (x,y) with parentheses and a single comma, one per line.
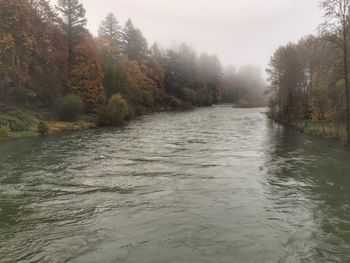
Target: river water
(210,185)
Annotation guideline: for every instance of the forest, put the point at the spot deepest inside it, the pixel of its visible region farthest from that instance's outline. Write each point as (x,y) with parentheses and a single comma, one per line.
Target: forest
(55,69)
(309,79)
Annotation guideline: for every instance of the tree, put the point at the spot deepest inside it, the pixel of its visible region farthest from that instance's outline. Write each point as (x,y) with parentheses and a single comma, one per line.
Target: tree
(74,21)
(87,75)
(336,30)
(286,75)
(310,51)
(244,87)
(210,71)
(134,44)
(16,46)
(110,29)
(109,52)
(49,67)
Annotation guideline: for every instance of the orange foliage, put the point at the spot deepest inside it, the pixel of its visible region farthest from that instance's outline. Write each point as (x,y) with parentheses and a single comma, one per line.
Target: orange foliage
(16,42)
(87,75)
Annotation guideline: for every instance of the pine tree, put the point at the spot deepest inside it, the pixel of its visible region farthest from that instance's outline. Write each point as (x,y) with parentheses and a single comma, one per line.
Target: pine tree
(49,67)
(110,29)
(74,21)
(134,44)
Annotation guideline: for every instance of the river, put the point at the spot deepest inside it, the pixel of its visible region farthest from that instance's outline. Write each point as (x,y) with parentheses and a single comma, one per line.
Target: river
(214,185)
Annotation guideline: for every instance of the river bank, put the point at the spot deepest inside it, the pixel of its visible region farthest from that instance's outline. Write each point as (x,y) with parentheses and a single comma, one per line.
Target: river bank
(316,128)
(22,122)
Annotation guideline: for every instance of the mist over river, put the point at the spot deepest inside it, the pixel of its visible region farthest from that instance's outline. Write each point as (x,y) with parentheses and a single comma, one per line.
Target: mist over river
(214,184)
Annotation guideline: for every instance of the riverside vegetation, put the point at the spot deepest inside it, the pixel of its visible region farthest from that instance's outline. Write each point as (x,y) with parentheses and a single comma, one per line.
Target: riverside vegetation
(66,79)
(309,80)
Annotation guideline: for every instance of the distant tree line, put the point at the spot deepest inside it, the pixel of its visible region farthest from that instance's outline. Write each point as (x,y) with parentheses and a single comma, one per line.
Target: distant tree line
(309,80)
(244,87)
(46,52)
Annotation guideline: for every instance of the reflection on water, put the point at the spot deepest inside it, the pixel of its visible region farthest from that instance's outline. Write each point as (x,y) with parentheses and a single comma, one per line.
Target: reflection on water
(209,185)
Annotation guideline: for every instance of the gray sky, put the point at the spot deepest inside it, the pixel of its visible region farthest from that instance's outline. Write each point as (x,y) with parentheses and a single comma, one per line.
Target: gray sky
(239,31)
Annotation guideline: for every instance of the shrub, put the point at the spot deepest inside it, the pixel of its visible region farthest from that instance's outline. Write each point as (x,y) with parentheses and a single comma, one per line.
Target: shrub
(5,131)
(102,115)
(147,99)
(131,112)
(43,128)
(17,120)
(174,102)
(117,109)
(69,108)
(114,113)
(13,123)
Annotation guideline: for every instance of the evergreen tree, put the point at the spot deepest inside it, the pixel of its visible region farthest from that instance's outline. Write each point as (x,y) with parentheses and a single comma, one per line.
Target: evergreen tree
(134,44)
(110,29)
(74,21)
(49,67)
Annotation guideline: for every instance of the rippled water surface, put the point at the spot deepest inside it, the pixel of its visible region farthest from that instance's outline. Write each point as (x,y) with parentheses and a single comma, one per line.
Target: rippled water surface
(210,185)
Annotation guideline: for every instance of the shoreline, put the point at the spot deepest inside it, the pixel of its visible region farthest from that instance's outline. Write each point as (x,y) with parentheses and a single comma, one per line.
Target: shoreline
(327,130)
(84,124)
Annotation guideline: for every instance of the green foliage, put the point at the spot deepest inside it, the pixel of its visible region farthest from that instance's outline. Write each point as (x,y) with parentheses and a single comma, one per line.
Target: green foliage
(43,128)
(134,43)
(16,120)
(69,108)
(5,131)
(117,109)
(115,112)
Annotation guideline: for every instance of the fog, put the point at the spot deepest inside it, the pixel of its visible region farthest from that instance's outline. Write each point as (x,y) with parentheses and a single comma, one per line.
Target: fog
(240,32)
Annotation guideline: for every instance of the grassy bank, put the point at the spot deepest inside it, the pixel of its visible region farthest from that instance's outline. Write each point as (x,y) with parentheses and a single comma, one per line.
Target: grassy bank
(321,128)
(318,128)
(24,122)
(16,122)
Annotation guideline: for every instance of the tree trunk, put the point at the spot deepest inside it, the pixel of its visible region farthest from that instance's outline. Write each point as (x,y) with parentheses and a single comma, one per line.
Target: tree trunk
(346,88)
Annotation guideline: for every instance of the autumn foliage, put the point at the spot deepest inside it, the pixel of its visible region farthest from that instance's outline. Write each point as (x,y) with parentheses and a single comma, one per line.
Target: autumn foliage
(87,76)
(47,53)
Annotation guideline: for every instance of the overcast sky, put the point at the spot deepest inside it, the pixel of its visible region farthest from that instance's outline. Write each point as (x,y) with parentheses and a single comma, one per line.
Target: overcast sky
(239,31)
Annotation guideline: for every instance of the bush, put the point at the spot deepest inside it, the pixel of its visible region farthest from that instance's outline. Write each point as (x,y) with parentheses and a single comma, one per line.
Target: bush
(114,113)
(147,99)
(5,131)
(69,108)
(117,109)
(43,129)
(174,102)
(189,95)
(17,120)
(102,115)
(13,123)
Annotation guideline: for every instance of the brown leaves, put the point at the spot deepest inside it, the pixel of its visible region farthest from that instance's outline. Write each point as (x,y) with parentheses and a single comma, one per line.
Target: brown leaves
(87,75)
